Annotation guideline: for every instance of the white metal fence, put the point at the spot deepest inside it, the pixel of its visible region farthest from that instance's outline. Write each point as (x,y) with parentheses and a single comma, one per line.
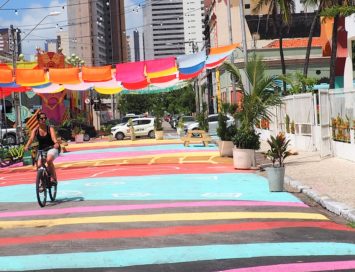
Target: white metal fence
(323,121)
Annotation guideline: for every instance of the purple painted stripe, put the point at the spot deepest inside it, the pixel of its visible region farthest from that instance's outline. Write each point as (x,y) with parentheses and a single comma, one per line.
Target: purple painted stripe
(298,267)
(128,154)
(87,209)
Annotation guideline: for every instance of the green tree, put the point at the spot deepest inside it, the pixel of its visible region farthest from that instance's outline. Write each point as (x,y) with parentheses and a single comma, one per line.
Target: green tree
(256,104)
(299,83)
(182,101)
(281,15)
(177,101)
(134,103)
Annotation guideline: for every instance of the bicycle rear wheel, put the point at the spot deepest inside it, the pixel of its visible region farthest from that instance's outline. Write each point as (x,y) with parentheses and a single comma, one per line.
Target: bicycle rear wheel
(41,190)
(52,191)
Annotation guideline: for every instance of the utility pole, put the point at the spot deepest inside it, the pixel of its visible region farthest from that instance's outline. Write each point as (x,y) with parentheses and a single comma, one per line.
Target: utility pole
(244,41)
(196,86)
(15,96)
(231,42)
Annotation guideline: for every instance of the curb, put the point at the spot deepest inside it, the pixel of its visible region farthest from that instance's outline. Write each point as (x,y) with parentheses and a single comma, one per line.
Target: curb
(325,201)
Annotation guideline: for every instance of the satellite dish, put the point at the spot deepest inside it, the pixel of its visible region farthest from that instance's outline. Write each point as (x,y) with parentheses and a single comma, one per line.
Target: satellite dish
(87,101)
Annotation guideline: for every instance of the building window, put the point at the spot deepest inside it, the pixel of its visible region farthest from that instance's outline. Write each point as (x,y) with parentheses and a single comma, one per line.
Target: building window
(247,6)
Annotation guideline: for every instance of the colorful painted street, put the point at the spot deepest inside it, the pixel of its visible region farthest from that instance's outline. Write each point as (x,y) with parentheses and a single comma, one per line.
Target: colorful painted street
(152,205)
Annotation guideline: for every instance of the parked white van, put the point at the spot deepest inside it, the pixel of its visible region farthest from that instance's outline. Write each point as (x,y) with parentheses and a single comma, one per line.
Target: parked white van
(142,127)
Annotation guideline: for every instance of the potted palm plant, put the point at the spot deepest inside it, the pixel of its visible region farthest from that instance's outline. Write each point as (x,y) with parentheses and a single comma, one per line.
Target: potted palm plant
(256,100)
(131,130)
(277,154)
(158,127)
(158,109)
(78,134)
(246,141)
(225,133)
(180,127)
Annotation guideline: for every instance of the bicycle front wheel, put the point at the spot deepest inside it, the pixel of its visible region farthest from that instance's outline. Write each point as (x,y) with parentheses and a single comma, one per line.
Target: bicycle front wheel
(52,191)
(41,190)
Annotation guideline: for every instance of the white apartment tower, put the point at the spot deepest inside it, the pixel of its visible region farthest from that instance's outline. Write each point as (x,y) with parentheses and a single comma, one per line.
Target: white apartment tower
(172,27)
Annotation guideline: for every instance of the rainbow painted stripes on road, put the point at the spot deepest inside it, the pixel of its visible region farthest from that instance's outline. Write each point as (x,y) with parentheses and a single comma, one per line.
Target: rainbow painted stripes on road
(158,187)
(149,256)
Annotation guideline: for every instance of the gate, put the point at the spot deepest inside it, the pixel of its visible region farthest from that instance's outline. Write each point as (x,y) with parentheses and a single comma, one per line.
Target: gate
(324,120)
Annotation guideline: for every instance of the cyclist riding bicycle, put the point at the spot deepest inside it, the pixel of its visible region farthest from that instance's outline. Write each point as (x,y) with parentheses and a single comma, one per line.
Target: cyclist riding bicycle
(46,140)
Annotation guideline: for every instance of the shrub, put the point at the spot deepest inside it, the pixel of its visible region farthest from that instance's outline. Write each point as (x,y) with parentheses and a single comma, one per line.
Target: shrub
(246,139)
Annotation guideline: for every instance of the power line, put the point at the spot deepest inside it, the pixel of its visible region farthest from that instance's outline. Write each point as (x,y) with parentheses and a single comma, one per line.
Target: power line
(4,3)
(74,19)
(135,27)
(93,1)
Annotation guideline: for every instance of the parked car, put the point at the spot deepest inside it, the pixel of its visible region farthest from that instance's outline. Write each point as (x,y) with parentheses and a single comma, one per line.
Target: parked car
(187,120)
(212,124)
(65,132)
(143,126)
(175,120)
(122,120)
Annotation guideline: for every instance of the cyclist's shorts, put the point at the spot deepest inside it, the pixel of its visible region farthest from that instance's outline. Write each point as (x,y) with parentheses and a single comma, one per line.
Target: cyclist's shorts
(53,152)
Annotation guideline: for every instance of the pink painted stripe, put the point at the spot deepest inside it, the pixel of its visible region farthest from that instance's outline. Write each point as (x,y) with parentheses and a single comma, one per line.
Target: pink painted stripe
(89,209)
(298,267)
(128,154)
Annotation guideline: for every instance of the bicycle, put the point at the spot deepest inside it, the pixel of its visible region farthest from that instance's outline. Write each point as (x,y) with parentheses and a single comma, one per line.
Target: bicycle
(43,180)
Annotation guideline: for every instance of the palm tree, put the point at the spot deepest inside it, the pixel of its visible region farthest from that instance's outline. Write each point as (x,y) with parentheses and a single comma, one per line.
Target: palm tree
(280,11)
(321,5)
(256,103)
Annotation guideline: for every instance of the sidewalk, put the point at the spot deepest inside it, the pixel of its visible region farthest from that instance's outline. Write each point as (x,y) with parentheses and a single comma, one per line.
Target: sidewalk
(330,182)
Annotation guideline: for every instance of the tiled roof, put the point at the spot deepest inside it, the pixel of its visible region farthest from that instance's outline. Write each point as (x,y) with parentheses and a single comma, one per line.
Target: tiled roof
(296,42)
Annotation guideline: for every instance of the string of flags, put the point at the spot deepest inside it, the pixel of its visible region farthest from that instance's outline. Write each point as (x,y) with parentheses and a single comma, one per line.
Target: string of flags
(152,74)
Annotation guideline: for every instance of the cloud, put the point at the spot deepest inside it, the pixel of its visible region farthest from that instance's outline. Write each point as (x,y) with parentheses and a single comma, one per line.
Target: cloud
(26,20)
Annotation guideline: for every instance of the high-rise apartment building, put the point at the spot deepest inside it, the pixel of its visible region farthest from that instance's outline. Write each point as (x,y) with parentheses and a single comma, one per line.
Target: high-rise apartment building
(51,45)
(129,48)
(136,45)
(63,42)
(96,31)
(172,27)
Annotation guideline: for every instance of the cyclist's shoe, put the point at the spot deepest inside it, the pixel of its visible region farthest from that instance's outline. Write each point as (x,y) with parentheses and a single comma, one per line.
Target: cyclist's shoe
(53,182)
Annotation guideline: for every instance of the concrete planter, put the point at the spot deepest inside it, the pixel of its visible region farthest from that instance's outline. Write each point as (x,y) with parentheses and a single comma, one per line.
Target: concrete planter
(79,138)
(276,177)
(225,148)
(180,132)
(242,158)
(344,150)
(159,135)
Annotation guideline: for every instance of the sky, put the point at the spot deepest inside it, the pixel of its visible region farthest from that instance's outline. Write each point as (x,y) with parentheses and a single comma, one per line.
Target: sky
(36,10)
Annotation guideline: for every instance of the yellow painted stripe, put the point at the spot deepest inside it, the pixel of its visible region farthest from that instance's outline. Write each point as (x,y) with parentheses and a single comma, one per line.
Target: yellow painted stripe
(159,218)
(124,143)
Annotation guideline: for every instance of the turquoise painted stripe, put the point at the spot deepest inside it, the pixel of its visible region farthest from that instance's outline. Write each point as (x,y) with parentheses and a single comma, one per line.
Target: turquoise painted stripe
(192,147)
(149,256)
(231,186)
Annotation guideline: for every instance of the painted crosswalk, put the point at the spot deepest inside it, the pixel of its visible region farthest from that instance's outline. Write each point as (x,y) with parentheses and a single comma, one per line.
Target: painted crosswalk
(164,217)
